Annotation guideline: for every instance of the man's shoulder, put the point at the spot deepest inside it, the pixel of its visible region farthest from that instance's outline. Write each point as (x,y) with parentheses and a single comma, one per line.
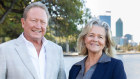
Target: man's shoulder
(51,43)
(53,48)
(8,43)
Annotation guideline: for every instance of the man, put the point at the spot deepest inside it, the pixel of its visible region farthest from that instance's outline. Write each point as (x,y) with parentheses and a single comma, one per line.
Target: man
(31,56)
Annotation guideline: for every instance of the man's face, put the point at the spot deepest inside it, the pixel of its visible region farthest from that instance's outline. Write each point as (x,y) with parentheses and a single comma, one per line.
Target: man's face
(35,24)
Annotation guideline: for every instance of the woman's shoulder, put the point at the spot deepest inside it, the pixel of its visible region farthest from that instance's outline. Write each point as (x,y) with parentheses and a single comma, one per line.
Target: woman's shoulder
(116,62)
(118,67)
(78,64)
(81,62)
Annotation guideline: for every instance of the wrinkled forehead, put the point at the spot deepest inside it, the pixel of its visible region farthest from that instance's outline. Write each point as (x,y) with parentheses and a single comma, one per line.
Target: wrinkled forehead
(37,12)
(34,10)
(95,29)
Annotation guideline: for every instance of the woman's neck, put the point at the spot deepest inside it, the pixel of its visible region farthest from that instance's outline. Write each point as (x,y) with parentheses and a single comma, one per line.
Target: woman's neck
(91,60)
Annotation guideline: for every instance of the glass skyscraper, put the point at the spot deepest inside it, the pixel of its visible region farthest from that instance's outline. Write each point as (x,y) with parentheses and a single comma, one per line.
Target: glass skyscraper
(106,18)
(119,28)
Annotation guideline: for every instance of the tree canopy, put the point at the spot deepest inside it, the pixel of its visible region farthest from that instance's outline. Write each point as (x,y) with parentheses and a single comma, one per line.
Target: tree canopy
(65,16)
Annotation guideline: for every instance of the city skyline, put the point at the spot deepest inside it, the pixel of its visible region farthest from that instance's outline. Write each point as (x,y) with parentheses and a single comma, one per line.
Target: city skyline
(124,9)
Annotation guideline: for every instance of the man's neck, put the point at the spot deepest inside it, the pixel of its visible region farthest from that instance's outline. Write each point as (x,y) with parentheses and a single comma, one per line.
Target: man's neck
(36,42)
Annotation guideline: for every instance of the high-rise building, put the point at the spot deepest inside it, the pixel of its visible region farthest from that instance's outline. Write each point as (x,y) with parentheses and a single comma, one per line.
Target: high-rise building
(106,18)
(119,28)
(128,36)
(120,40)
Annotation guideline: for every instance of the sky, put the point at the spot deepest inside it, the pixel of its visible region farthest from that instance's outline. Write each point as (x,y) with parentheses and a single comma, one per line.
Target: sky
(127,10)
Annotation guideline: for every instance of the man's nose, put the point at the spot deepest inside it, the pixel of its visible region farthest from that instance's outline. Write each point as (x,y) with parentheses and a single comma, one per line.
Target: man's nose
(38,24)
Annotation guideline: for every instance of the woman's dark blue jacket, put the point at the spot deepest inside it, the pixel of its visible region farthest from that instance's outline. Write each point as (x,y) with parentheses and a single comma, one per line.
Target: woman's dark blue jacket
(108,70)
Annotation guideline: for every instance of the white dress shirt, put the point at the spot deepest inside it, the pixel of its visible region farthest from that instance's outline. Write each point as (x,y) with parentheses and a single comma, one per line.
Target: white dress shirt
(38,61)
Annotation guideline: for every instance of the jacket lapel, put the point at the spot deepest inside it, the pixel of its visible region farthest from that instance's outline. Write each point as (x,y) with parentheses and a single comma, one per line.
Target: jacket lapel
(50,62)
(99,71)
(23,53)
(73,73)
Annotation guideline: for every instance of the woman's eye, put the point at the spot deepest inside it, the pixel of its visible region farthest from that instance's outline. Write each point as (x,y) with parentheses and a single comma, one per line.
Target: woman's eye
(90,35)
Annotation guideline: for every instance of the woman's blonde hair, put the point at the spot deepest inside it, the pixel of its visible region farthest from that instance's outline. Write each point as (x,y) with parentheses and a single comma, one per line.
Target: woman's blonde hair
(109,48)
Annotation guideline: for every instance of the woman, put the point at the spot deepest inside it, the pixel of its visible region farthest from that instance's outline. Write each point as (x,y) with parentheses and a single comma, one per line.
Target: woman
(96,42)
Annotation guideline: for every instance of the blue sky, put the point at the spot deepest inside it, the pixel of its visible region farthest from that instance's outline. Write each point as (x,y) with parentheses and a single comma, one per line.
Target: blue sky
(127,10)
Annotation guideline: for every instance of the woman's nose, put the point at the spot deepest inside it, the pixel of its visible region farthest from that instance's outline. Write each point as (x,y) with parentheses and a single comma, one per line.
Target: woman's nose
(95,38)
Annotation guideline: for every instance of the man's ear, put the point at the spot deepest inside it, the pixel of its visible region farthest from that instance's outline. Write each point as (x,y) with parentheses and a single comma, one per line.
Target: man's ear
(22,22)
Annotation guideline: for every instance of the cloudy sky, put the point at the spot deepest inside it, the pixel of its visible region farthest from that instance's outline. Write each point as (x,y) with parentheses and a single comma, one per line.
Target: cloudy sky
(127,10)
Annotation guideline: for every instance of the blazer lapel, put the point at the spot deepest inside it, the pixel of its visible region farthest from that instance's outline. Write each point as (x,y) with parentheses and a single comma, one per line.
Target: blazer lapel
(49,62)
(52,61)
(23,53)
(99,71)
(73,73)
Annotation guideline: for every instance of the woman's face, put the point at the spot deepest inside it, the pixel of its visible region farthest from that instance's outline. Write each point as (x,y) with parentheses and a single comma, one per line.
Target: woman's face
(95,39)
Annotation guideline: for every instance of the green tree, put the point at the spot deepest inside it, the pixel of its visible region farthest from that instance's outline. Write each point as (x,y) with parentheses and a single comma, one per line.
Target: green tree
(10,15)
(65,16)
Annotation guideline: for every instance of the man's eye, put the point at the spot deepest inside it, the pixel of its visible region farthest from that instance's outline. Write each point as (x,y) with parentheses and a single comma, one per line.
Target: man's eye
(43,22)
(101,37)
(34,20)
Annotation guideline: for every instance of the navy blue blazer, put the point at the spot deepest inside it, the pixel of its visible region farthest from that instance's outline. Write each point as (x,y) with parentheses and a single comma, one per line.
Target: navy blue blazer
(113,69)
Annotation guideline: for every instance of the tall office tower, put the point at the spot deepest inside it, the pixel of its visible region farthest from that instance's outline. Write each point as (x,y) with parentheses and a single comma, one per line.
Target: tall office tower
(119,28)
(106,18)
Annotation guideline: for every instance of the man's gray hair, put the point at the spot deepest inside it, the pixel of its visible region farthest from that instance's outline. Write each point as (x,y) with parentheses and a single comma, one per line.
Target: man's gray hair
(36,4)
